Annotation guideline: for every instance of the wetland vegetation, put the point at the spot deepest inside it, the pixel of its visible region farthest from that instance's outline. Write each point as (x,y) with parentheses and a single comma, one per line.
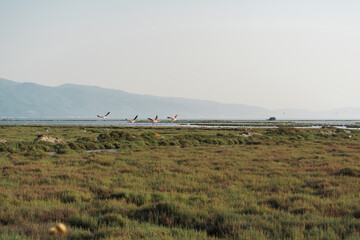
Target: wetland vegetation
(180,183)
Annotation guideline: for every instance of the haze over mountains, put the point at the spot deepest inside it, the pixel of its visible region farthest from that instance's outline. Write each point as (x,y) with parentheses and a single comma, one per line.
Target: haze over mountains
(31,100)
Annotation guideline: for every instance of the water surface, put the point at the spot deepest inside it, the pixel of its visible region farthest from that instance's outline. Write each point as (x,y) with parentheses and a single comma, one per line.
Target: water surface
(188,123)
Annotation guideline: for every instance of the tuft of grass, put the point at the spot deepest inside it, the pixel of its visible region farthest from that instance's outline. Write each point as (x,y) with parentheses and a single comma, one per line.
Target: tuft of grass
(352,172)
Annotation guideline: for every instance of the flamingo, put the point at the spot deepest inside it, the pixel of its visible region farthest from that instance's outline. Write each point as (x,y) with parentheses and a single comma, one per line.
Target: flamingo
(132,120)
(103,117)
(154,120)
(173,119)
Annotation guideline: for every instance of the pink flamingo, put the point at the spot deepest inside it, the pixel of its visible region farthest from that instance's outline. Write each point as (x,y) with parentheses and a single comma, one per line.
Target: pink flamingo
(132,120)
(154,120)
(173,119)
(103,117)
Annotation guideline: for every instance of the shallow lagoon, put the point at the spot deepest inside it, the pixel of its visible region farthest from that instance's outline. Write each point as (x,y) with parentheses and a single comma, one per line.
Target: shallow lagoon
(189,123)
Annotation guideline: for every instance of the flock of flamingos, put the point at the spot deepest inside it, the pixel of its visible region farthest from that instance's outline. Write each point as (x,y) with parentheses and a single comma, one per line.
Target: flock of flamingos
(153,120)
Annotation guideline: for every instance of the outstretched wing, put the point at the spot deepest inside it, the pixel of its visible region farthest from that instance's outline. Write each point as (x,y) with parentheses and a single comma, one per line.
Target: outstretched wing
(135,117)
(156,117)
(151,119)
(107,114)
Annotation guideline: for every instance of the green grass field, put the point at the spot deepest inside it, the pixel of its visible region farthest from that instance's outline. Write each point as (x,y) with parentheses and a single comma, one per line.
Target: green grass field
(180,183)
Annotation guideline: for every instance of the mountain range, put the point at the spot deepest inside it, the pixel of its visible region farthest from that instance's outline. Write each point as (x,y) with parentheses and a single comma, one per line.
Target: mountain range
(30,100)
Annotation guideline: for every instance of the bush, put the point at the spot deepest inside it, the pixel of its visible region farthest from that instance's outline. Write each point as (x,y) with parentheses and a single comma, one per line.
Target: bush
(115,136)
(80,234)
(149,137)
(114,220)
(76,146)
(352,172)
(169,214)
(68,197)
(223,225)
(83,221)
(137,198)
(289,131)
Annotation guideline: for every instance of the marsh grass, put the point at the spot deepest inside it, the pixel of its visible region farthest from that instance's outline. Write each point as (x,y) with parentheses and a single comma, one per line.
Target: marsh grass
(179,183)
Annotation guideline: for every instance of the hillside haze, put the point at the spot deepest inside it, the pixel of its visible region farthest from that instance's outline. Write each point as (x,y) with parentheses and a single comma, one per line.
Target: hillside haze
(31,100)
(79,101)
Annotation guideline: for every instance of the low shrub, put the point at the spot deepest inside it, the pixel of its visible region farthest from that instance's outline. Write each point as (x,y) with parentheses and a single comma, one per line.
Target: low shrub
(112,219)
(352,172)
(83,221)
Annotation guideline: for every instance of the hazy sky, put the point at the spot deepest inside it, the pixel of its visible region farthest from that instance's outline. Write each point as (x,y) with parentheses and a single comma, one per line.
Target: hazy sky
(273,54)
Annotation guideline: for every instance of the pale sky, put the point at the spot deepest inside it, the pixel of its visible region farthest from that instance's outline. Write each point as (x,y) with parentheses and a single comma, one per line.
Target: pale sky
(273,54)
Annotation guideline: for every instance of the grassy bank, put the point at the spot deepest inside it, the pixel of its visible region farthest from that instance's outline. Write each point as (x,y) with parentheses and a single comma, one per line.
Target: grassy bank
(180,183)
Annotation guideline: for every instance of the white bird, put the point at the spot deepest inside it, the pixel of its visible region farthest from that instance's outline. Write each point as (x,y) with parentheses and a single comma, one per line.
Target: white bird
(103,117)
(154,120)
(173,119)
(132,120)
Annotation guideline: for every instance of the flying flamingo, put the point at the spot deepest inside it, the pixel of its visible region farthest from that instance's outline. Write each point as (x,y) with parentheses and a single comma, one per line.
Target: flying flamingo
(132,120)
(154,120)
(103,117)
(173,119)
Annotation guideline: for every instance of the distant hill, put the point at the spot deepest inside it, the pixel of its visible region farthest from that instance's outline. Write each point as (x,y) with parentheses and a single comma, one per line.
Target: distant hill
(31,100)
(78,101)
